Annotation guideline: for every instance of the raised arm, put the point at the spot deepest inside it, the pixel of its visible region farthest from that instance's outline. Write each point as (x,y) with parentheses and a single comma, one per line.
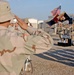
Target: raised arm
(21,23)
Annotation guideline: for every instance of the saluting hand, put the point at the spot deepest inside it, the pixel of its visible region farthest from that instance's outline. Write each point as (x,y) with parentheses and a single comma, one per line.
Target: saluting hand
(21,23)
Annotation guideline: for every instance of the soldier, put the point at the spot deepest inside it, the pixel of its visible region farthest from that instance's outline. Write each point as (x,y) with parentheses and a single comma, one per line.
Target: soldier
(16,44)
(72,33)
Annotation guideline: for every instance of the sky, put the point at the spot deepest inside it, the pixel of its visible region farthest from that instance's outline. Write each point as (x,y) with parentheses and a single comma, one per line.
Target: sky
(39,9)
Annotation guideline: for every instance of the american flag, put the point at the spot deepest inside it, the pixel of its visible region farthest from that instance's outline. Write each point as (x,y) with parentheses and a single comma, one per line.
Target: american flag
(56,11)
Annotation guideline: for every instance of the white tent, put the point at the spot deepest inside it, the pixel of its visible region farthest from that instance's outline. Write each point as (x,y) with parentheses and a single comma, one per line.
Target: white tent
(34,22)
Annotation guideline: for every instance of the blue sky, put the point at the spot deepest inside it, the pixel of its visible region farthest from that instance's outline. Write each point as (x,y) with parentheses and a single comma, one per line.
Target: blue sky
(39,9)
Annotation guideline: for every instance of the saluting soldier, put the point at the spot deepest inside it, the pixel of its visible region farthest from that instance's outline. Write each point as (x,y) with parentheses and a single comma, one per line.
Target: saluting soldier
(17,40)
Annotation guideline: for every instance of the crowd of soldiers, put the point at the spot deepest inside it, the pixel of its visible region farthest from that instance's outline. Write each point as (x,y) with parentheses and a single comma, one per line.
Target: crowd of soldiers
(66,29)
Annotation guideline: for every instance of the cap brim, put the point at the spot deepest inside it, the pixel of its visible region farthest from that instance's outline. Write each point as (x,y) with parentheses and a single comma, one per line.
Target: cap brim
(6,17)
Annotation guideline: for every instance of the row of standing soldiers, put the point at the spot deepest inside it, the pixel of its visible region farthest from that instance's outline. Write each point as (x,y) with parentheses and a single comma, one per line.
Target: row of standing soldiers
(67,29)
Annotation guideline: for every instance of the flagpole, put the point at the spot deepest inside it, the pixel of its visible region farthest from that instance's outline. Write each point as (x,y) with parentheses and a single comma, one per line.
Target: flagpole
(55,29)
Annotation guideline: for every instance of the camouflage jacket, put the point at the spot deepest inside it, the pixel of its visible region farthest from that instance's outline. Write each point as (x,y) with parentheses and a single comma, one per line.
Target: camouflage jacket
(16,44)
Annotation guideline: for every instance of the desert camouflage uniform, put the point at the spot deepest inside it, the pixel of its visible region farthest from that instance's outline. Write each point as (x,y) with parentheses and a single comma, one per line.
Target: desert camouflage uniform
(16,44)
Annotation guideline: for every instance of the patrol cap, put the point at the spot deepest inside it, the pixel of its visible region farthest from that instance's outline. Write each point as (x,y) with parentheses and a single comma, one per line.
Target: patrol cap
(5,11)
(26,20)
